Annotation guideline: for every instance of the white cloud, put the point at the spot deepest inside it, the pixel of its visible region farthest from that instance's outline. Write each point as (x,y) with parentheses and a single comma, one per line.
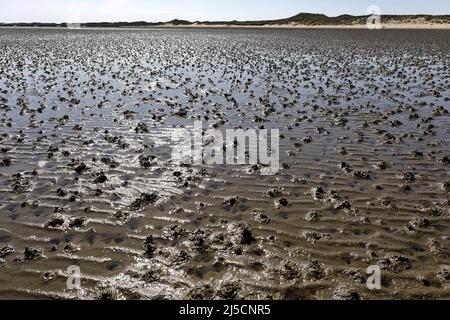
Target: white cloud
(92,11)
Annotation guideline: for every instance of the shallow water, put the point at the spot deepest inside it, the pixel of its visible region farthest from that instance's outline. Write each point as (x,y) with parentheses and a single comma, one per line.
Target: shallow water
(80,111)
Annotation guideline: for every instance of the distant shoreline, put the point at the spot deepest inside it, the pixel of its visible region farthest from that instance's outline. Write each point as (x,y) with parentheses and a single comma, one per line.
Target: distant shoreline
(299,26)
(390,26)
(299,21)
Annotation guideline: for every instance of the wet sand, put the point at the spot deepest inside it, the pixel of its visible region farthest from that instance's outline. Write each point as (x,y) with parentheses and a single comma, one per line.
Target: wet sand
(388,26)
(86,176)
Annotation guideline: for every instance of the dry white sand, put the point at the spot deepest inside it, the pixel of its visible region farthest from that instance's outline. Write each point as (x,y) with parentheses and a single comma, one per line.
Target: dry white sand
(299,26)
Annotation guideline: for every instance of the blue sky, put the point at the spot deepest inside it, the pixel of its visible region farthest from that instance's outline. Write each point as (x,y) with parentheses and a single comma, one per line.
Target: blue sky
(164,10)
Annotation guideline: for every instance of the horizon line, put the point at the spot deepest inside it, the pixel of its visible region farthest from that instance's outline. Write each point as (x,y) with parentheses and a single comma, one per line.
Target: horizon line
(229,21)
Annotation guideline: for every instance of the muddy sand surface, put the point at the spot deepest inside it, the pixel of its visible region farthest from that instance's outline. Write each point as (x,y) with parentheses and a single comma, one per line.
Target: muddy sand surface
(87,178)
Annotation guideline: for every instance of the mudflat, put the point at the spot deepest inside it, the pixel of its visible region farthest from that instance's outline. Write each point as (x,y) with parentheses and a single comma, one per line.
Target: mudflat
(87,178)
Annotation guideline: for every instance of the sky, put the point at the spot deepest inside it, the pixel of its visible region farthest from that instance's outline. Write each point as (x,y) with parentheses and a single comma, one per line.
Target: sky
(200,10)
